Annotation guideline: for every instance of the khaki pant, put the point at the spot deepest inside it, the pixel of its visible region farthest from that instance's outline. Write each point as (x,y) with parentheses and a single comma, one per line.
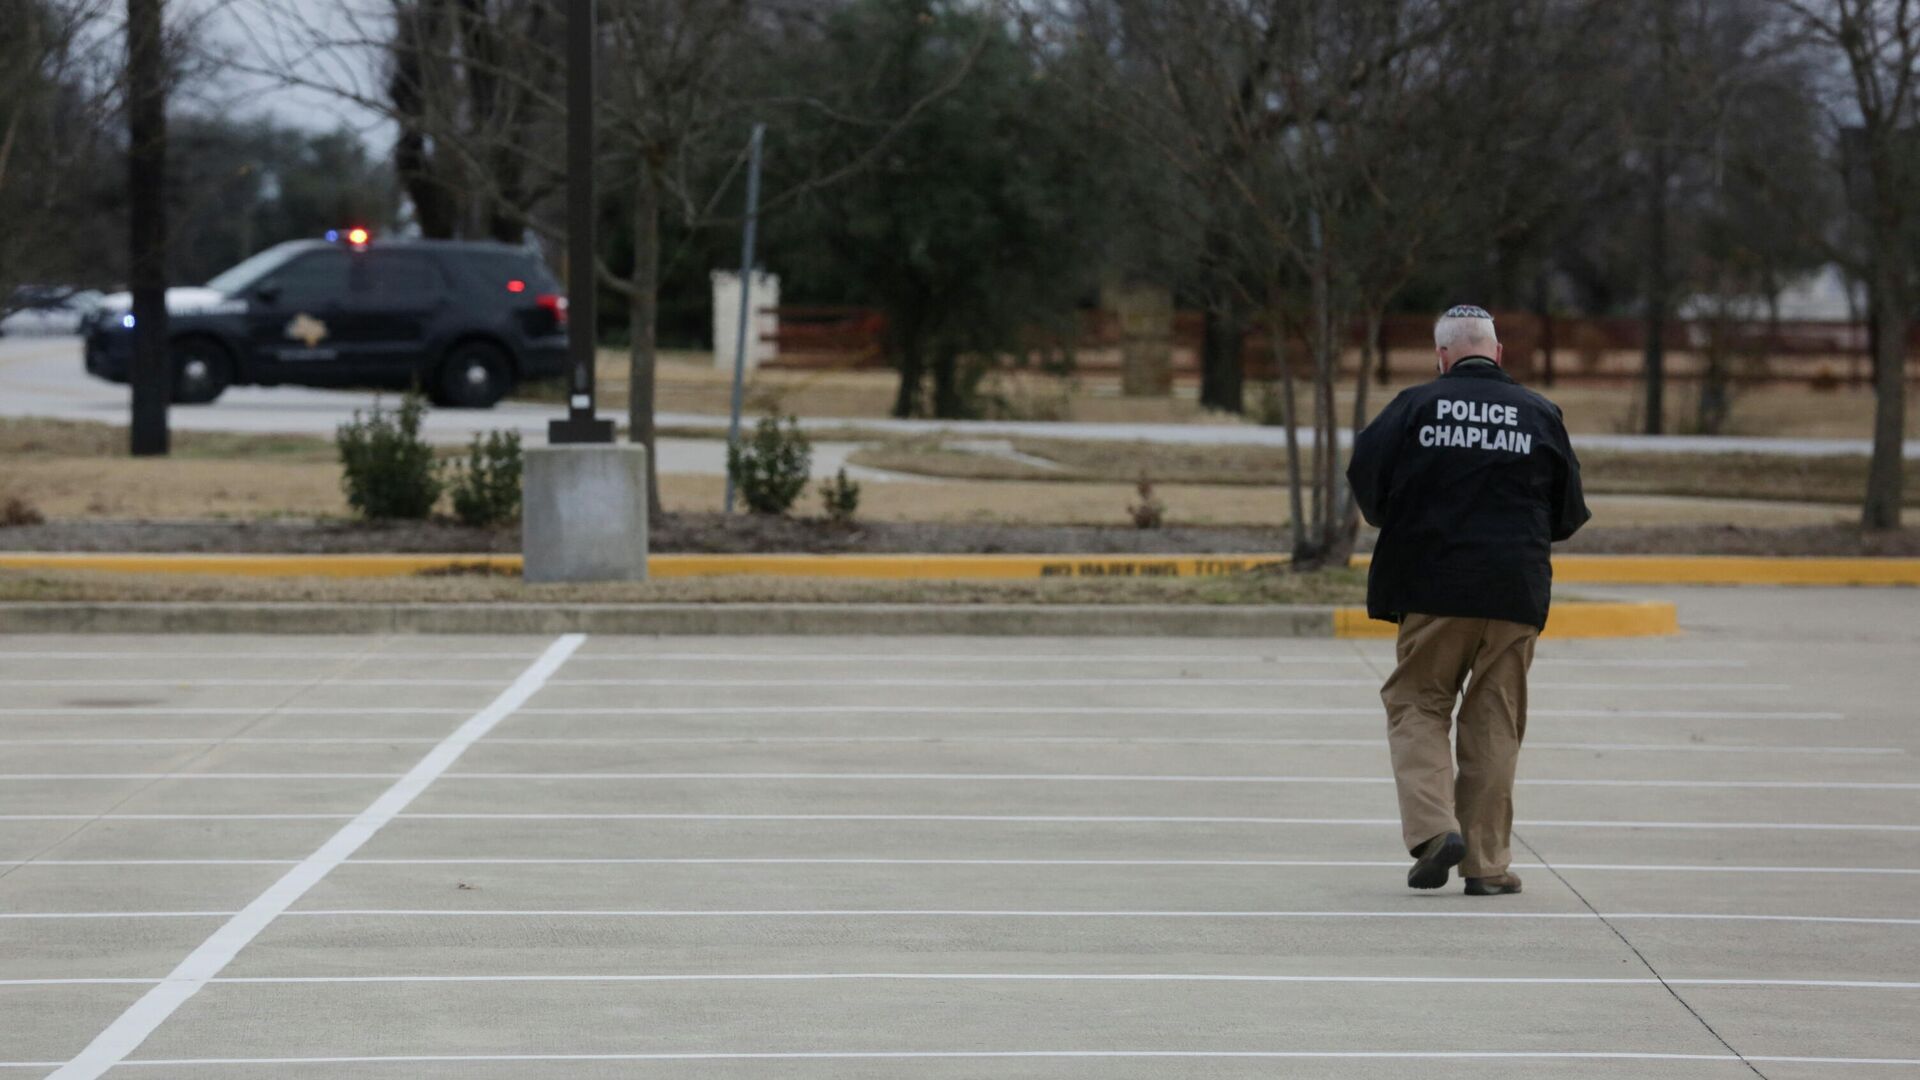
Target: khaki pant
(1436,654)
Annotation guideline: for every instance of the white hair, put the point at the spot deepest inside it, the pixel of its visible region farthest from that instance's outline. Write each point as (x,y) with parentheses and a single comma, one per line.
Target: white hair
(1459,335)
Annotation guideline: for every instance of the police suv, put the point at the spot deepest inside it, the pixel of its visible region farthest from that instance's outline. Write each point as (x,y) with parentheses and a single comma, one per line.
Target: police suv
(464,321)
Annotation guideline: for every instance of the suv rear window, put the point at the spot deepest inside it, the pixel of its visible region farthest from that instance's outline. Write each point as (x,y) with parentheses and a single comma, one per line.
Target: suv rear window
(496,268)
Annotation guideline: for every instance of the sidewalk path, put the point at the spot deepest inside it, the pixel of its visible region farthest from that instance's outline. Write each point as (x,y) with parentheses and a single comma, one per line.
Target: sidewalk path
(44,377)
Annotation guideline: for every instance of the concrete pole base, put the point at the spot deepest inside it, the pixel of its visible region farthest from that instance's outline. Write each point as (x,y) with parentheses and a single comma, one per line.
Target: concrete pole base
(584,513)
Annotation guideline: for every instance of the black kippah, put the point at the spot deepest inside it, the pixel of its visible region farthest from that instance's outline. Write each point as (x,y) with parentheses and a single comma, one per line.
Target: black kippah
(1467,311)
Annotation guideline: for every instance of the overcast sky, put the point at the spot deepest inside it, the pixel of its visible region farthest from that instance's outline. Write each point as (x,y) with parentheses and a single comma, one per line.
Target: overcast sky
(264,37)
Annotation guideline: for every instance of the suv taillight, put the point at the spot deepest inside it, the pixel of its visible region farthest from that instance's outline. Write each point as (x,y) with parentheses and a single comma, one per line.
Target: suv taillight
(555,303)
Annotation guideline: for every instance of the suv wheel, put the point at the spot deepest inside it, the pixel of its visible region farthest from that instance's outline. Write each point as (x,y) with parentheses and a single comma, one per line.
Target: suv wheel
(476,375)
(202,371)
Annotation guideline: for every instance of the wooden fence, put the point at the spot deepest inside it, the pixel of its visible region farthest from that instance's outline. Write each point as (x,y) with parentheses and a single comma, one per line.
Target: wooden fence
(1823,355)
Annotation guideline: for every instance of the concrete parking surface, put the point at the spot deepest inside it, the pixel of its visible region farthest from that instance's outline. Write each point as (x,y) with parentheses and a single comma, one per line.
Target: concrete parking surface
(756,857)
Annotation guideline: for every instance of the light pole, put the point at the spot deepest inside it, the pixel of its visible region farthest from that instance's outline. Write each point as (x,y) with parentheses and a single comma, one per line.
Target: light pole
(584,497)
(746,295)
(152,369)
(581,424)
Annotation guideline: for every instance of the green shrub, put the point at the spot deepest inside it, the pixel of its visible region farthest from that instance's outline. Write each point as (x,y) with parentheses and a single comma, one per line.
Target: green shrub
(770,469)
(487,490)
(387,469)
(842,497)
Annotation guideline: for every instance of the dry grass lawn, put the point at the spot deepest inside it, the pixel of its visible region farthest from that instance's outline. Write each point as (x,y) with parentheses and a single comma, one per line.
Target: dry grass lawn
(688,382)
(1278,587)
(1837,480)
(74,471)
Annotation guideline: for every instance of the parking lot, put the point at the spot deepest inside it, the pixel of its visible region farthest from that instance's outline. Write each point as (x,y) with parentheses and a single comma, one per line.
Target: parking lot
(759,857)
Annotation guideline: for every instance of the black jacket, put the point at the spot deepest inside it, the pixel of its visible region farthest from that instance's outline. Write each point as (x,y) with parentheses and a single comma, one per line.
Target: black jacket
(1470,478)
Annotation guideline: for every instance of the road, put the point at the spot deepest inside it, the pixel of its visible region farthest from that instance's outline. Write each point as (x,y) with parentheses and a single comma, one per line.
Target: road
(44,377)
(872,858)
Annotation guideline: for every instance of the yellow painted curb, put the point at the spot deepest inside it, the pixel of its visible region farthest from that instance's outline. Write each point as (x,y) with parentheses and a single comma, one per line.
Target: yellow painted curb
(1724,570)
(229,565)
(1732,570)
(887,567)
(1567,569)
(1573,619)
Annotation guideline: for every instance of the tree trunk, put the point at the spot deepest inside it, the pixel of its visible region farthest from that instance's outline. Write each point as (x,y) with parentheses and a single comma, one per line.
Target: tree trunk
(1657,290)
(435,208)
(1885,478)
(1289,416)
(1223,360)
(152,375)
(1382,366)
(1348,524)
(1658,285)
(1326,431)
(1543,310)
(642,321)
(947,402)
(909,352)
(1223,342)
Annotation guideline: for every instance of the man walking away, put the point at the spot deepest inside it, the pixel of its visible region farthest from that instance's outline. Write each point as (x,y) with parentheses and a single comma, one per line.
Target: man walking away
(1469,478)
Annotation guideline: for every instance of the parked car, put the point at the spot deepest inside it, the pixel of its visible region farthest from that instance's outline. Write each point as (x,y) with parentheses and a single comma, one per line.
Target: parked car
(47,309)
(464,321)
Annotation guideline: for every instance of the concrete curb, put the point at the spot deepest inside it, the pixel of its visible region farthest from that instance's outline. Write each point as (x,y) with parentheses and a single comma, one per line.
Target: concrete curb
(1567,569)
(983,620)
(1112,620)
(1571,619)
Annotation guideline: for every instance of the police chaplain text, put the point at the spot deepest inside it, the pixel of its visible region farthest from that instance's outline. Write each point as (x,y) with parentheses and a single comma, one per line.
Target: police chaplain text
(1476,412)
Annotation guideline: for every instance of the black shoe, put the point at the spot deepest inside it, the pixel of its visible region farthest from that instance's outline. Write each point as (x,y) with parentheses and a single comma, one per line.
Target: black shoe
(1433,859)
(1497,885)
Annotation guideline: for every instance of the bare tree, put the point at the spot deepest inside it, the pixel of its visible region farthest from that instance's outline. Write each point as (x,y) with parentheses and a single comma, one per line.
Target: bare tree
(474,85)
(58,152)
(1879,43)
(1334,145)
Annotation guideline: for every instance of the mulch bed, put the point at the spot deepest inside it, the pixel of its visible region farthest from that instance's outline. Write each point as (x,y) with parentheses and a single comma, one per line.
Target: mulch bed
(745,534)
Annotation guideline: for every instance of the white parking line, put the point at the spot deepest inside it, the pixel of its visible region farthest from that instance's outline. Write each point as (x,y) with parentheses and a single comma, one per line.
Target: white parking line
(203,776)
(1088,819)
(481,860)
(117,915)
(1340,657)
(1192,682)
(188,683)
(924,740)
(991,976)
(995,1055)
(1097,819)
(967,913)
(667,682)
(1115,914)
(1214,659)
(229,710)
(176,817)
(1143,778)
(1036,778)
(1139,710)
(1682,868)
(1170,711)
(126,1033)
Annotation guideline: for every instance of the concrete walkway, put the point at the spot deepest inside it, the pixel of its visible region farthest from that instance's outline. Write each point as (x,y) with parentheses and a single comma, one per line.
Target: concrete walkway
(878,857)
(44,377)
